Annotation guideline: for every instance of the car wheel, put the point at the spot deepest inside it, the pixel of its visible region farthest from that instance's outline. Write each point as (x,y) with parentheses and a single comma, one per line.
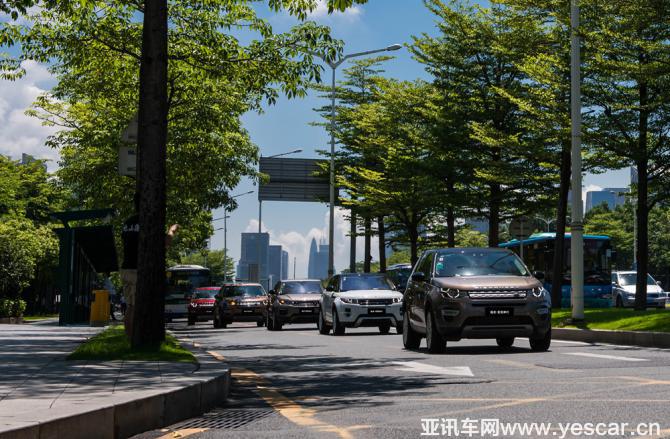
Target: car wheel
(269,323)
(260,323)
(216,322)
(191,321)
(384,328)
(410,338)
(324,329)
(276,321)
(505,342)
(435,342)
(619,302)
(338,329)
(541,344)
(398,328)
(224,325)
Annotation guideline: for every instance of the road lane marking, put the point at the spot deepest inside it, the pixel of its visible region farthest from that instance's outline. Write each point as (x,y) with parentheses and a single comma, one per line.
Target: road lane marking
(605,357)
(528,366)
(288,408)
(178,434)
(415,366)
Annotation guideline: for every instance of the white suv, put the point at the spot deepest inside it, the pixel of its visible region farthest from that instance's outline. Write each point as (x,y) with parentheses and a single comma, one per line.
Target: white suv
(360,299)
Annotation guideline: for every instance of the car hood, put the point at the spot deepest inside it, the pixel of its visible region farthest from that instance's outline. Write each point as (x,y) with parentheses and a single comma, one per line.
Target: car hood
(650,289)
(474,283)
(370,294)
(247,298)
(301,297)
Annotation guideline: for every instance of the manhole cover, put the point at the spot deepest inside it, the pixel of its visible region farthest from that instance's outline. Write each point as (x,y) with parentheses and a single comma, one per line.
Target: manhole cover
(224,419)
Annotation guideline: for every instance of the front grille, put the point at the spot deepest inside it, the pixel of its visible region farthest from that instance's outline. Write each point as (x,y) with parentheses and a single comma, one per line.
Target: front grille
(498,320)
(375,301)
(307,304)
(518,294)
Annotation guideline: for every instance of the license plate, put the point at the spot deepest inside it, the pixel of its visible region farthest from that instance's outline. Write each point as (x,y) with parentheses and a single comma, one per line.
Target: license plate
(376,311)
(499,312)
(248,311)
(306,311)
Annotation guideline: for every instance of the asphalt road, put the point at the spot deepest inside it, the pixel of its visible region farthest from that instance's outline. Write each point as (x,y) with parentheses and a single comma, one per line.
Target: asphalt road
(297,383)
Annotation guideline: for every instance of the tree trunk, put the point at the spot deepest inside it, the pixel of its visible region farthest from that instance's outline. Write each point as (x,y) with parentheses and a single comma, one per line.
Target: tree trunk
(561,217)
(148,321)
(413,234)
(352,242)
(451,217)
(381,232)
(494,215)
(642,202)
(368,236)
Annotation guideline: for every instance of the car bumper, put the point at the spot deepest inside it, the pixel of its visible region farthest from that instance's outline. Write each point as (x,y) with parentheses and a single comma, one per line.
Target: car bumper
(297,314)
(246,313)
(176,311)
(203,313)
(352,315)
(490,319)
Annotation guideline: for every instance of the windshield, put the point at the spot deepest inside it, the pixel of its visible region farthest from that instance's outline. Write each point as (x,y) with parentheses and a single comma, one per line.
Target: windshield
(185,281)
(631,279)
(243,290)
(307,287)
(350,283)
(205,294)
(477,263)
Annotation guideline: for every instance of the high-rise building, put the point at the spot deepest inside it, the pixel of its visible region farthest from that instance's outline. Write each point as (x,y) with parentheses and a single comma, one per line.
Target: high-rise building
(275,261)
(613,197)
(317,267)
(247,268)
(284,265)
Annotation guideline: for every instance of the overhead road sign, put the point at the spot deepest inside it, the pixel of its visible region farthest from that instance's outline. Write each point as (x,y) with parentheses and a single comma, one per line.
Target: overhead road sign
(292,179)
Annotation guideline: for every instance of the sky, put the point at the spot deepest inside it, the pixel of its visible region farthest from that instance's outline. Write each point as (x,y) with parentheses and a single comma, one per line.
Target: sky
(282,127)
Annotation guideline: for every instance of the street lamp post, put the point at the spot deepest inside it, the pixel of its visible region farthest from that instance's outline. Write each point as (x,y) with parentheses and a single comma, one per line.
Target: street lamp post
(334,65)
(260,217)
(577,226)
(225,234)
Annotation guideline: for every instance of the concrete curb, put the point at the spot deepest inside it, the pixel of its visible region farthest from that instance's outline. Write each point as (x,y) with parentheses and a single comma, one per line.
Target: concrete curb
(126,419)
(628,338)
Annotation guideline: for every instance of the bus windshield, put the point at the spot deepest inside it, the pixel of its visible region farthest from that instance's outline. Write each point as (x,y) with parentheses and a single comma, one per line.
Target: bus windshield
(185,281)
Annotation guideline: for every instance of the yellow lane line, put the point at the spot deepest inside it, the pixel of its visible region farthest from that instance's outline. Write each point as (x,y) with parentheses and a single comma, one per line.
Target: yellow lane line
(288,408)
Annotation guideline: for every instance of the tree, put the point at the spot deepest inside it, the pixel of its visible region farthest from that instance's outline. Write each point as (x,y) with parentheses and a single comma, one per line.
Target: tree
(475,62)
(466,237)
(618,225)
(626,86)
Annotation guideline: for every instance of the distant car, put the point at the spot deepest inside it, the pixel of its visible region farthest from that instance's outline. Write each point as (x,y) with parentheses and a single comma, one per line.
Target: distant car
(240,302)
(399,275)
(201,307)
(460,293)
(293,301)
(360,299)
(623,290)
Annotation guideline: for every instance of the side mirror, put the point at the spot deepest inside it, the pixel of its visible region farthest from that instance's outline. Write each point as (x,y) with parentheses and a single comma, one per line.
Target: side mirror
(418,277)
(539,275)
(658,282)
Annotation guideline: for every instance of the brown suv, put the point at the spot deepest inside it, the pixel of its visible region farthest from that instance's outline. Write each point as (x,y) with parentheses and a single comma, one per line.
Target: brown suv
(474,293)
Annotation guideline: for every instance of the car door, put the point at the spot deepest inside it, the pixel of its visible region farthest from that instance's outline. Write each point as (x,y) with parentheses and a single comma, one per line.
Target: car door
(327,297)
(423,289)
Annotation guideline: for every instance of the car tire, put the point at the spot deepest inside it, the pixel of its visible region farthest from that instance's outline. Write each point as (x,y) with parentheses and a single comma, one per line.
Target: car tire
(505,342)
(224,325)
(277,322)
(410,338)
(269,322)
(324,329)
(434,340)
(216,322)
(190,321)
(338,329)
(260,323)
(398,328)
(541,344)
(619,302)
(384,328)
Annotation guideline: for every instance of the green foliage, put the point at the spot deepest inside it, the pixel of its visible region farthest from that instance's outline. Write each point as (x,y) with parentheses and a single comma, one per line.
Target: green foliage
(112,344)
(618,225)
(466,237)
(12,307)
(399,257)
(617,319)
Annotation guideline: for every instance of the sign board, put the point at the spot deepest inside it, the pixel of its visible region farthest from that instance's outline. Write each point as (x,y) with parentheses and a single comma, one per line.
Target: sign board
(521,228)
(129,134)
(127,161)
(294,180)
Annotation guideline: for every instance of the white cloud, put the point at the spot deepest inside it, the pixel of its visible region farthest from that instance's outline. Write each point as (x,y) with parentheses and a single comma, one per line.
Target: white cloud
(297,244)
(21,133)
(321,13)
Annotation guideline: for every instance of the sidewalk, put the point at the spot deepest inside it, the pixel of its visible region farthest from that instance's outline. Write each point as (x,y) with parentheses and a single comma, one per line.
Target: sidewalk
(44,395)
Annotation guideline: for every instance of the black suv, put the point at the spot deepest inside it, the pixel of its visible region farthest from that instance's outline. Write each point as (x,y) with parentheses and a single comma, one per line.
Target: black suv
(474,293)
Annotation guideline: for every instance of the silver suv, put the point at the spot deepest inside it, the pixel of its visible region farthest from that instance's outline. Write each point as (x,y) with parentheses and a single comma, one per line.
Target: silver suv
(474,293)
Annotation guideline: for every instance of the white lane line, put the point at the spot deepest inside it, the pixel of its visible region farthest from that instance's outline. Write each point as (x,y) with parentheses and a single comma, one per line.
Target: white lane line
(415,366)
(606,357)
(553,340)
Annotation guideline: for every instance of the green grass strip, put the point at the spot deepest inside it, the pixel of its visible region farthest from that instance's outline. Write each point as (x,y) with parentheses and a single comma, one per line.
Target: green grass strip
(655,320)
(113,344)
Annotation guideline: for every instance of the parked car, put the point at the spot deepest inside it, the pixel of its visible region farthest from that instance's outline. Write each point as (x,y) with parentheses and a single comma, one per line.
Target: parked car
(623,290)
(201,306)
(240,302)
(293,301)
(399,275)
(474,293)
(360,299)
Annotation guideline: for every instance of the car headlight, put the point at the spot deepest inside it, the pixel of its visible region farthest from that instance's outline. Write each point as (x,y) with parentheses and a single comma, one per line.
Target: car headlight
(265,302)
(538,292)
(452,293)
(231,302)
(397,299)
(194,305)
(282,301)
(348,300)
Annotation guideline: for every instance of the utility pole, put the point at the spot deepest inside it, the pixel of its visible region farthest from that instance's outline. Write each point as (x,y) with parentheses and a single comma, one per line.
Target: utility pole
(577,225)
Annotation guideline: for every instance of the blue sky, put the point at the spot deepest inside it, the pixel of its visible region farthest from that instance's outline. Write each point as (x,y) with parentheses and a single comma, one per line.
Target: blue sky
(282,127)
